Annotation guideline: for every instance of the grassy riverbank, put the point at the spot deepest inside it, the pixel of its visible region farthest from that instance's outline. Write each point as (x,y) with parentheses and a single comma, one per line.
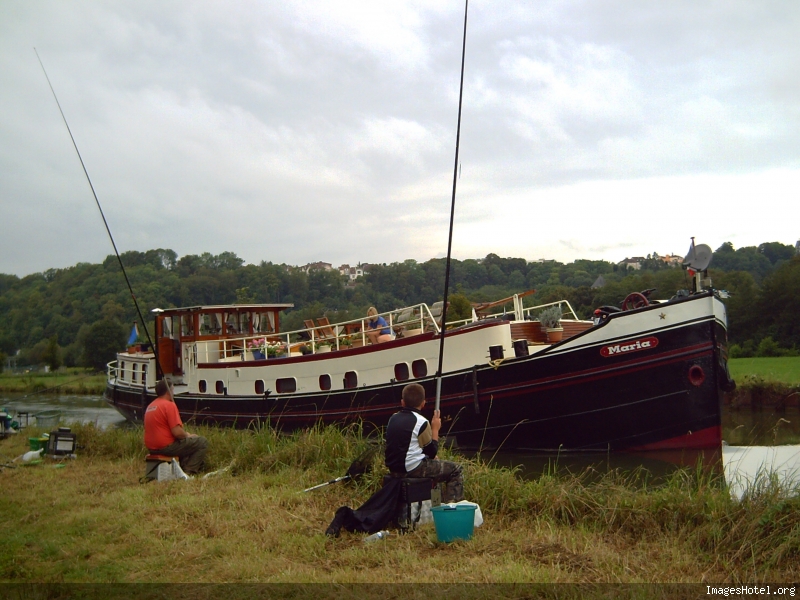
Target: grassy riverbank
(66,381)
(781,369)
(91,521)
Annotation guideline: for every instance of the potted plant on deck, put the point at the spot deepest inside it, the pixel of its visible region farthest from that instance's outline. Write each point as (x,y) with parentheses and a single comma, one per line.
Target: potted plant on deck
(550,320)
(275,349)
(258,348)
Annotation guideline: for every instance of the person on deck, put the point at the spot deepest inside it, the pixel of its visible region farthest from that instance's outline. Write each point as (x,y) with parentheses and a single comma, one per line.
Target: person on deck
(164,432)
(412,444)
(377,328)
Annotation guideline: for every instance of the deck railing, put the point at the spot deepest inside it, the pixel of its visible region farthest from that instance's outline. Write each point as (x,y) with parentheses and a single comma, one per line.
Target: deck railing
(520,313)
(142,373)
(530,311)
(335,336)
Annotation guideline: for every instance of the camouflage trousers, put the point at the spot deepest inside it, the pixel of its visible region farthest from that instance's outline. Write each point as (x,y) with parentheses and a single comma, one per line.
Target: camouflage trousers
(442,470)
(191,451)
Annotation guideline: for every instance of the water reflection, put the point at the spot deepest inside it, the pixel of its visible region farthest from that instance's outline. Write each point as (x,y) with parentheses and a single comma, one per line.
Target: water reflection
(754,429)
(761,427)
(83,409)
(646,467)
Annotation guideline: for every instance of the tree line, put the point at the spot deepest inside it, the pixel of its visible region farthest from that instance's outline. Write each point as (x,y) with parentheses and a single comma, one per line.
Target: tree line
(78,316)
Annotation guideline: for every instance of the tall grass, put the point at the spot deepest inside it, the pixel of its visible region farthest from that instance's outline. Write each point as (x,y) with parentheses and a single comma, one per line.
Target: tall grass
(693,504)
(92,522)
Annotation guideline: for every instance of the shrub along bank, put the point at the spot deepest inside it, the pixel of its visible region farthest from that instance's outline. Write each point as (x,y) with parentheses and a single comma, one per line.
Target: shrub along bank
(92,521)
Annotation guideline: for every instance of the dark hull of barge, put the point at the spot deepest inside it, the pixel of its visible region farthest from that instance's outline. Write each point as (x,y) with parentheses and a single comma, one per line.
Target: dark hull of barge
(665,397)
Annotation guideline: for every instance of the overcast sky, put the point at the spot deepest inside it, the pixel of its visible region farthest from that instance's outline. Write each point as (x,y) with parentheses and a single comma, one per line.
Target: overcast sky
(295,132)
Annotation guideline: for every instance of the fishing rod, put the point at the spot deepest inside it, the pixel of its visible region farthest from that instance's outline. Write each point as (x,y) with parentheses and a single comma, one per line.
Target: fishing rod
(452,215)
(97,201)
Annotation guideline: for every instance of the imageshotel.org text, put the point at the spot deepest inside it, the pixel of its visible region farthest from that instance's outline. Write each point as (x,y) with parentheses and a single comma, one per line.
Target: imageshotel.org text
(750,590)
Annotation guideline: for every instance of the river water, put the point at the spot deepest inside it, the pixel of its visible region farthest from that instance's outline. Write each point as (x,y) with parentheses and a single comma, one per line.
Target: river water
(756,440)
(84,409)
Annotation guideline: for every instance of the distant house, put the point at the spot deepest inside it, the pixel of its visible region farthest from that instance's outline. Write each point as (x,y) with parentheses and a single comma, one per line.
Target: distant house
(672,259)
(634,263)
(353,273)
(317,266)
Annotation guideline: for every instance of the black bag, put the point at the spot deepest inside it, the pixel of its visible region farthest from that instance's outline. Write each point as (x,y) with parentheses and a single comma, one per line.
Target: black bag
(374,515)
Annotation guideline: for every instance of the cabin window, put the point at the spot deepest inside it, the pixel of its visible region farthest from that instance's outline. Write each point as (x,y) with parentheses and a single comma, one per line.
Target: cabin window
(325,382)
(187,325)
(122,370)
(166,327)
(264,322)
(286,385)
(401,371)
(259,386)
(134,373)
(244,322)
(201,385)
(231,323)
(210,324)
(420,368)
(220,387)
(144,374)
(351,380)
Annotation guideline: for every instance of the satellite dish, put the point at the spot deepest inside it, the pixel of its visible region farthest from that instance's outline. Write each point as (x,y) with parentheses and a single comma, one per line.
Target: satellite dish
(699,257)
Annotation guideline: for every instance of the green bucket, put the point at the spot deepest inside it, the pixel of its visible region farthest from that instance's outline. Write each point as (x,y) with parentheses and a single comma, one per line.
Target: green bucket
(38,443)
(453,522)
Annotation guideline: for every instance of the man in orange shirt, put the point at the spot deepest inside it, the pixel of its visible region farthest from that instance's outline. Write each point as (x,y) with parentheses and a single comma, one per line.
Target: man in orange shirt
(164,432)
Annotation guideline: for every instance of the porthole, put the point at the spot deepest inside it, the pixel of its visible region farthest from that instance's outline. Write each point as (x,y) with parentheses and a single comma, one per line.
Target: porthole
(259,386)
(286,385)
(420,368)
(325,382)
(220,387)
(401,371)
(351,380)
(201,385)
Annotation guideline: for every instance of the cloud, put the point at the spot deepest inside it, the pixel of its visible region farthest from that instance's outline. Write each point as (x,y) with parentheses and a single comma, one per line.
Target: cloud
(270,129)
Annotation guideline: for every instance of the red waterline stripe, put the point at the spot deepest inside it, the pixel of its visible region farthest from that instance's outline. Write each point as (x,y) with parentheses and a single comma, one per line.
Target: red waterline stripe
(710,437)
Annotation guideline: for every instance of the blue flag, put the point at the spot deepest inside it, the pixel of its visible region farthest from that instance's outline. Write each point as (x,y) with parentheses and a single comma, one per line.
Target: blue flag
(134,335)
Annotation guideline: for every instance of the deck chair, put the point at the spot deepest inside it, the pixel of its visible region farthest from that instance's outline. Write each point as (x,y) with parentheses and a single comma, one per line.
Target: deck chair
(436,312)
(312,330)
(326,330)
(406,323)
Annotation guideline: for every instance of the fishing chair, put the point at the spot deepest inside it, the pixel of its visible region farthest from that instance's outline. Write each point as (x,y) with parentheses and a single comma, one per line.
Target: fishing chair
(413,490)
(152,461)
